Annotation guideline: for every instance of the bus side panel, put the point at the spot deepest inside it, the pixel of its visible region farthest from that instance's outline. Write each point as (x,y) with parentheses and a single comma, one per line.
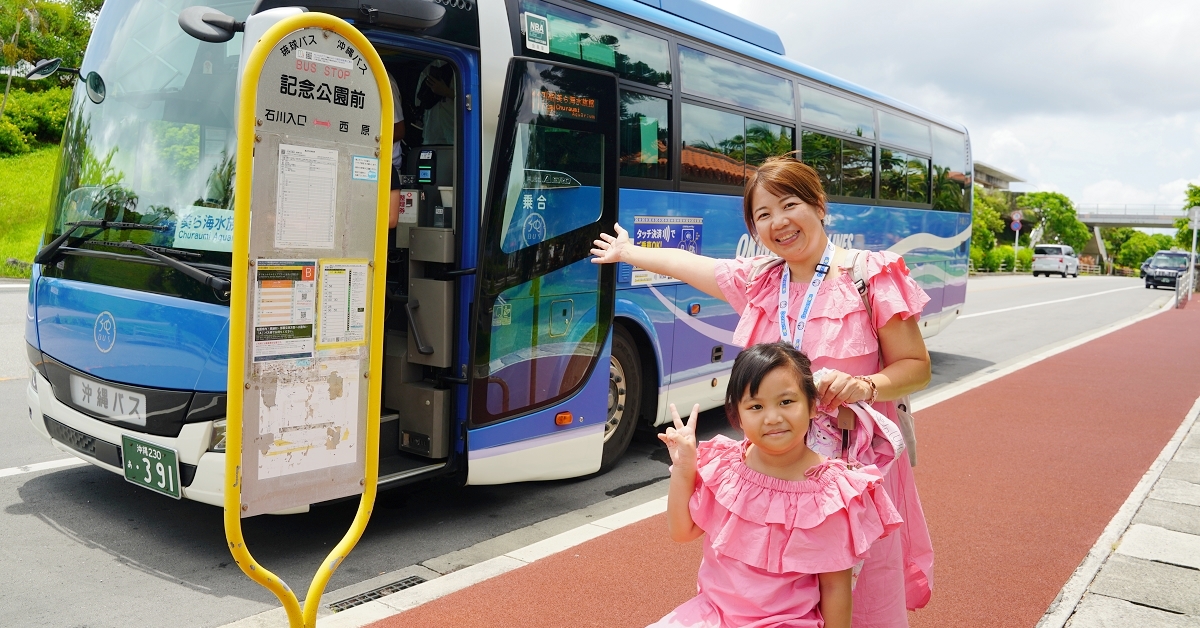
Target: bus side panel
(534,447)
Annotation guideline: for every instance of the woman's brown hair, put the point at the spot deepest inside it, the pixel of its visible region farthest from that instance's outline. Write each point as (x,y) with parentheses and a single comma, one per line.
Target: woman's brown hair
(783,176)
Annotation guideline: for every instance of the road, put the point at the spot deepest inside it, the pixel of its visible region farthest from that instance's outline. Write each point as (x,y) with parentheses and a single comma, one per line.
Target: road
(84,547)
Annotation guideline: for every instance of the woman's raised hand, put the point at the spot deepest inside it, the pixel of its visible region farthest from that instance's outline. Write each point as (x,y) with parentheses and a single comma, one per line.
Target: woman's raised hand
(681,439)
(837,388)
(608,248)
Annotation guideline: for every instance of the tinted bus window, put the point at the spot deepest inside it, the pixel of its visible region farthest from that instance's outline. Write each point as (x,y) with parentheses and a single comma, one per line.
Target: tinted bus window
(645,135)
(950,178)
(764,140)
(735,84)
(846,167)
(713,146)
(838,114)
(558,172)
(585,40)
(903,132)
(903,177)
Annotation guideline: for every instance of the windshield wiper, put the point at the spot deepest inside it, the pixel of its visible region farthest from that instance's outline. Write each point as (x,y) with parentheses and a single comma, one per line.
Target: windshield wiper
(220,284)
(46,255)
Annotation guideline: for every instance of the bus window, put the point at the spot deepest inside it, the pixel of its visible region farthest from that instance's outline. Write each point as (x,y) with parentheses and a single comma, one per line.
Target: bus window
(903,176)
(554,185)
(714,147)
(764,140)
(735,84)
(836,114)
(846,167)
(645,135)
(582,39)
(903,132)
(950,173)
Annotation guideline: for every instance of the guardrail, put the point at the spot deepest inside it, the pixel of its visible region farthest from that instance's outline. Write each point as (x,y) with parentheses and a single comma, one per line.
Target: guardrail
(1185,285)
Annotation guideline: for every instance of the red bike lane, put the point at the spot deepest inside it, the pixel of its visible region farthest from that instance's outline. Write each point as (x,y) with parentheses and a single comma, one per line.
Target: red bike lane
(1018,478)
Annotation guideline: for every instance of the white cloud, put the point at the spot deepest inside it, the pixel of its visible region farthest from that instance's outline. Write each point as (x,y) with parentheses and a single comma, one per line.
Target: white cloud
(1094,98)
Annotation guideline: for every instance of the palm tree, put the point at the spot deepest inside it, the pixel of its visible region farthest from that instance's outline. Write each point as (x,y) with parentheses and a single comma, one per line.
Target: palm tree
(11,53)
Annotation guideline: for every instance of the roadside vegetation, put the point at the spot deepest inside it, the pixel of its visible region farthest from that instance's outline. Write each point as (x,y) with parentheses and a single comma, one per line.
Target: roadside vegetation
(24,201)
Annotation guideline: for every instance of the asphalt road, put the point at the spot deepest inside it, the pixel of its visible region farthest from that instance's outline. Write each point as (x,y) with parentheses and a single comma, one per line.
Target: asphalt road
(85,548)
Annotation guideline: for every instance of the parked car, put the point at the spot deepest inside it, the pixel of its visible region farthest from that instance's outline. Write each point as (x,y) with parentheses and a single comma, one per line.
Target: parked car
(1055,259)
(1165,267)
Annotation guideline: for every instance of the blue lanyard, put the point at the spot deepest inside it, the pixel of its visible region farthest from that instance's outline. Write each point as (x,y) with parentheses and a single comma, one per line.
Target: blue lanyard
(806,306)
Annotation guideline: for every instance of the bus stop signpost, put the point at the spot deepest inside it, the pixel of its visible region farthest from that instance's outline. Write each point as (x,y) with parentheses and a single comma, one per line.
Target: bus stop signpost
(306,309)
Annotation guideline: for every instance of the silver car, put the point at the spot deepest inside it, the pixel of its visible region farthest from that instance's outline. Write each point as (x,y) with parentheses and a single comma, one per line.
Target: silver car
(1055,259)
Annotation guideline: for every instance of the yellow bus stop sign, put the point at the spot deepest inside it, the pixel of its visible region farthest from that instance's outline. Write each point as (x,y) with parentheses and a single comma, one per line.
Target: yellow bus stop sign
(306,308)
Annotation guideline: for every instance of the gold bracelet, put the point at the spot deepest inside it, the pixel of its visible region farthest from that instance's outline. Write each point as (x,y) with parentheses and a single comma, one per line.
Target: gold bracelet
(870,382)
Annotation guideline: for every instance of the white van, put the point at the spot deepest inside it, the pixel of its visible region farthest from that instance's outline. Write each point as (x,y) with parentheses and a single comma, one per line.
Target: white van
(1055,259)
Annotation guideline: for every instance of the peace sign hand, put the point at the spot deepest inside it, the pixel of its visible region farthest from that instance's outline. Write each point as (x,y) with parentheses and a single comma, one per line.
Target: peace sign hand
(681,439)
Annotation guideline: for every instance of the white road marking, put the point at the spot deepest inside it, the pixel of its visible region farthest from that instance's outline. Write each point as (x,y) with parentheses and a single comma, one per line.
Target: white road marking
(41,466)
(14,286)
(1040,303)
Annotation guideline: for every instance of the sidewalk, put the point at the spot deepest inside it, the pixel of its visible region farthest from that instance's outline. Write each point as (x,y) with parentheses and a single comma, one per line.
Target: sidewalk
(1019,477)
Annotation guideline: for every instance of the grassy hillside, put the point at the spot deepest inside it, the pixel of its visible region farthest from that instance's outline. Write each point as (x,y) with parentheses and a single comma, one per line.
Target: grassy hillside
(24,201)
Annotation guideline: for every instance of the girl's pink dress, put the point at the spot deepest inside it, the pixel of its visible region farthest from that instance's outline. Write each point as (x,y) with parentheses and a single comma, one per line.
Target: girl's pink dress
(766,539)
(898,573)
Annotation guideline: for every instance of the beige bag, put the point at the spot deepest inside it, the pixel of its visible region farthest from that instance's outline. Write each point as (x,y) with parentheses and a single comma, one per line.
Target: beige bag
(903,404)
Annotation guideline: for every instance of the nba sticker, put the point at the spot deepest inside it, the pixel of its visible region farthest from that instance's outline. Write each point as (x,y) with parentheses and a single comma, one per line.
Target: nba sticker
(664,232)
(537,33)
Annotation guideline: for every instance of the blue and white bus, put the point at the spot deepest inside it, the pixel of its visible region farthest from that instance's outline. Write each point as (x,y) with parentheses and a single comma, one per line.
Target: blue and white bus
(530,126)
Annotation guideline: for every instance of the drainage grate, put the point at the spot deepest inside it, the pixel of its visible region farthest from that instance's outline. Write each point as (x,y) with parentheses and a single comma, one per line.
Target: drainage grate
(375,594)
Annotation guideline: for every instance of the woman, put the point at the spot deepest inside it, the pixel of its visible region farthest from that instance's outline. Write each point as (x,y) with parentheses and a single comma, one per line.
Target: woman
(877,360)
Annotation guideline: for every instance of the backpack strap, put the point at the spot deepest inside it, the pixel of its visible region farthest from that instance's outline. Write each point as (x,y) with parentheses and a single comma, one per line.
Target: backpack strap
(859,274)
(760,269)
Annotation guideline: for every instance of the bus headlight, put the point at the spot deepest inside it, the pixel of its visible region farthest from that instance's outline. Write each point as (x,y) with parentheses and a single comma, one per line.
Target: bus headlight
(217,443)
(33,378)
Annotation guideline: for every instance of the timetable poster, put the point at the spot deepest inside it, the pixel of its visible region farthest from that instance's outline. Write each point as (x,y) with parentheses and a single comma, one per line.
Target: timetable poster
(343,303)
(285,302)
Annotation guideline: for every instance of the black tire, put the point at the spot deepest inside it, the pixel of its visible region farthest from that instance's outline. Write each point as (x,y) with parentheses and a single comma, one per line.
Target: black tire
(1064,274)
(624,398)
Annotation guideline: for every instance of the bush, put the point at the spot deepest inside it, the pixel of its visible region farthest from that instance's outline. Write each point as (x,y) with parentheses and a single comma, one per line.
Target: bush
(1003,254)
(12,140)
(1025,259)
(36,117)
(977,258)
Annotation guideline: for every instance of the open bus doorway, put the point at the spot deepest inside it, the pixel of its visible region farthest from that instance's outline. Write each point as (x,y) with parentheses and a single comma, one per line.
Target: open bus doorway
(417,416)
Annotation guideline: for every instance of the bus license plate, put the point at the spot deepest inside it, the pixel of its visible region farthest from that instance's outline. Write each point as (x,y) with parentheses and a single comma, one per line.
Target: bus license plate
(151,466)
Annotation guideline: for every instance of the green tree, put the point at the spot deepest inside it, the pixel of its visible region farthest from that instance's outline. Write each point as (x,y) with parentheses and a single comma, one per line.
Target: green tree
(1056,213)
(1183,234)
(1114,239)
(1141,246)
(986,219)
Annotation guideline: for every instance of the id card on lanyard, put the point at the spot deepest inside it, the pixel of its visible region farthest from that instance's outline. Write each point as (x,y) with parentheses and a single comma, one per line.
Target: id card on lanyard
(810,295)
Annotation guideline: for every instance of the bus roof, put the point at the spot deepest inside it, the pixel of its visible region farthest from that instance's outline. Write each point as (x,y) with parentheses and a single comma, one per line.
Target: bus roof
(705,22)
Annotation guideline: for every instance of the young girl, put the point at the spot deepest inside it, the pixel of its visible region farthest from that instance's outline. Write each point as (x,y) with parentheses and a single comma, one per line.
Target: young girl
(783,525)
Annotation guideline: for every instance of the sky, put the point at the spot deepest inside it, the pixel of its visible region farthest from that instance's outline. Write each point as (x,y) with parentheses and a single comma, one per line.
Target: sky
(1097,99)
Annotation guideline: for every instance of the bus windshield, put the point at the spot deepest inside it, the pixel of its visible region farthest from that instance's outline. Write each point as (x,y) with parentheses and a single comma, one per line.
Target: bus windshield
(158,150)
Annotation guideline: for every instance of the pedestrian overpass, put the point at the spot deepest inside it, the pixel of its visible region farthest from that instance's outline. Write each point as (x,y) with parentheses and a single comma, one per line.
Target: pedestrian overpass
(1145,216)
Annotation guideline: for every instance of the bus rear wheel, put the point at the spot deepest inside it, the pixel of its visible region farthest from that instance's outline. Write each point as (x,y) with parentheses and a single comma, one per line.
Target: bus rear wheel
(624,397)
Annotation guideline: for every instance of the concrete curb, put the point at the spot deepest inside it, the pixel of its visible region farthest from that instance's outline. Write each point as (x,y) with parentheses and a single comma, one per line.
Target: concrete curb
(1064,604)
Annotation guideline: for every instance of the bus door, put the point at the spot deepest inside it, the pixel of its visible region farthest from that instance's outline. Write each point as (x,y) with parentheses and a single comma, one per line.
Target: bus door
(543,311)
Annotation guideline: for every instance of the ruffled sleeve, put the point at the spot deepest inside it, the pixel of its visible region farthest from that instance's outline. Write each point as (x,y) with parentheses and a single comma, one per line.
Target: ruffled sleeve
(893,290)
(820,525)
(732,276)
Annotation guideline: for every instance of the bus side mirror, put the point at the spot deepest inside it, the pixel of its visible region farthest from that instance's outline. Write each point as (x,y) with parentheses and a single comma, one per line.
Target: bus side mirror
(43,69)
(209,25)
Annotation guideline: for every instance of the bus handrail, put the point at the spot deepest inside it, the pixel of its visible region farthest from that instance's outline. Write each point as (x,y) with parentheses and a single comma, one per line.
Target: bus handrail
(410,307)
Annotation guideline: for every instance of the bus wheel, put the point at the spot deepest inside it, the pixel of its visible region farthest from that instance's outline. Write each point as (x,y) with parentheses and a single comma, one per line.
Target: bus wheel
(624,397)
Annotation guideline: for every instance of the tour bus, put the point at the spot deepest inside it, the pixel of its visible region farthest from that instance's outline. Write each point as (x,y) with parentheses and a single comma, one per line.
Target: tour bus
(530,127)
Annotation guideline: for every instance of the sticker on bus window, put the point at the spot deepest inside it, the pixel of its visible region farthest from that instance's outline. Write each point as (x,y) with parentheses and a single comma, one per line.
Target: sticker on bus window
(204,229)
(664,232)
(537,33)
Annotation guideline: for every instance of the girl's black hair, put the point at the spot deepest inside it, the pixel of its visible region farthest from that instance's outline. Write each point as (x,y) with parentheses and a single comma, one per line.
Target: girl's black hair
(753,364)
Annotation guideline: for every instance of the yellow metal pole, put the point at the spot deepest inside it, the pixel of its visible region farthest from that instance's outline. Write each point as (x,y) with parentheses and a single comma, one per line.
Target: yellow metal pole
(247,104)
